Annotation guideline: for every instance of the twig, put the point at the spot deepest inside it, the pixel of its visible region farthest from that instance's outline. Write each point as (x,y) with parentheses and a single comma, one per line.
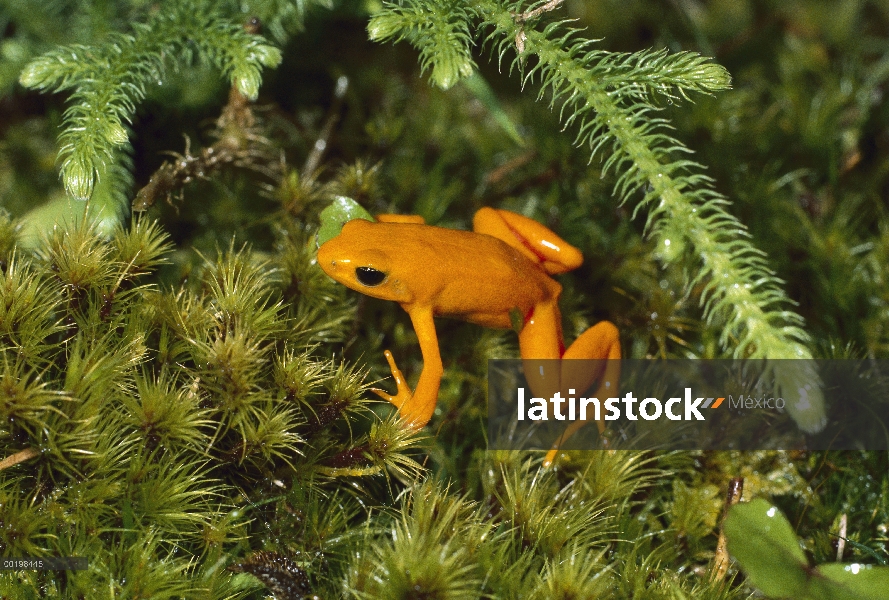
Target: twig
(721,559)
(495,176)
(533,14)
(524,17)
(239,143)
(841,542)
(18,457)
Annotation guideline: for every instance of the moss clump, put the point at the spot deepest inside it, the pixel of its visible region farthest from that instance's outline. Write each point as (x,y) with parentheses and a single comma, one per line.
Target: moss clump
(162,429)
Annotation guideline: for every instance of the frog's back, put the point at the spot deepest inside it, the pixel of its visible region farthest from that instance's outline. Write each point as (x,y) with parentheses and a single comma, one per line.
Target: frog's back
(467,275)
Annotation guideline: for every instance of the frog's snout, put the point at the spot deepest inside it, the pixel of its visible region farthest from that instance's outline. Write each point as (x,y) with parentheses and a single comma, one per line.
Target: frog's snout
(326,259)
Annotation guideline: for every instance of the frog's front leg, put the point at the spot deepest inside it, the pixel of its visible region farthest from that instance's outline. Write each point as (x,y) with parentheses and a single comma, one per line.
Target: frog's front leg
(416,407)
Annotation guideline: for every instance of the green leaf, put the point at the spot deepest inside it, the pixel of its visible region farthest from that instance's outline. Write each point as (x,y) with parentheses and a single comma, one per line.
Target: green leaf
(861,582)
(382,26)
(798,382)
(341,211)
(762,540)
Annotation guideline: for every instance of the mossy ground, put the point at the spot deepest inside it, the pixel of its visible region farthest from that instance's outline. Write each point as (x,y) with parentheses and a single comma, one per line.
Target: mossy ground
(197,389)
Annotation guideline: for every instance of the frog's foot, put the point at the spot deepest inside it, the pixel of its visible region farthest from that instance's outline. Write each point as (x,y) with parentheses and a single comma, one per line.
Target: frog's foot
(402,398)
(569,431)
(557,445)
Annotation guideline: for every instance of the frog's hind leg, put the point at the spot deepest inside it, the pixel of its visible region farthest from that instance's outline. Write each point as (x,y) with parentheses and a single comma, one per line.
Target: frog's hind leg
(599,347)
(600,343)
(537,242)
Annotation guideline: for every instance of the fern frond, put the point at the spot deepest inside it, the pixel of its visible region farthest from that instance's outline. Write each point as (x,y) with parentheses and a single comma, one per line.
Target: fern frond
(648,72)
(110,78)
(439,30)
(608,98)
(282,18)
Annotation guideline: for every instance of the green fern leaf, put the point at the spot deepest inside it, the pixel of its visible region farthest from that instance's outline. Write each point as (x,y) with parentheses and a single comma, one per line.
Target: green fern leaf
(439,30)
(110,78)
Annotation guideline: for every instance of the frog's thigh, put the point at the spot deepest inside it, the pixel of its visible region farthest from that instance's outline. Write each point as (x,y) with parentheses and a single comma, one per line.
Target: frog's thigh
(536,241)
(600,341)
(509,226)
(490,221)
(541,335)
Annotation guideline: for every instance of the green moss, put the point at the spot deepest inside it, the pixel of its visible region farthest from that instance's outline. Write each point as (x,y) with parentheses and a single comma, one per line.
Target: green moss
(189,389)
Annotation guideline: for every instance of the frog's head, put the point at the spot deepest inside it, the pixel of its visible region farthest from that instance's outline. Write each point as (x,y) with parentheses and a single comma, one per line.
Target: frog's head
(358,258)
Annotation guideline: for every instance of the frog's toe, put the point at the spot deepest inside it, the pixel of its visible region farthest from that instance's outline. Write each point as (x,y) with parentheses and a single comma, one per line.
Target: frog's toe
(402,398)
(385,395)
(550,457)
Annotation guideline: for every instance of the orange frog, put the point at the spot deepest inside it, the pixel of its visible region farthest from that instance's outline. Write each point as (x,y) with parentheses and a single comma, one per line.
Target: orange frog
(497,275)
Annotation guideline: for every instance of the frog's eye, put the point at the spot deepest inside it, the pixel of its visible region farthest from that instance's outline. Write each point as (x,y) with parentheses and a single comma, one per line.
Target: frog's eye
(369,276)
